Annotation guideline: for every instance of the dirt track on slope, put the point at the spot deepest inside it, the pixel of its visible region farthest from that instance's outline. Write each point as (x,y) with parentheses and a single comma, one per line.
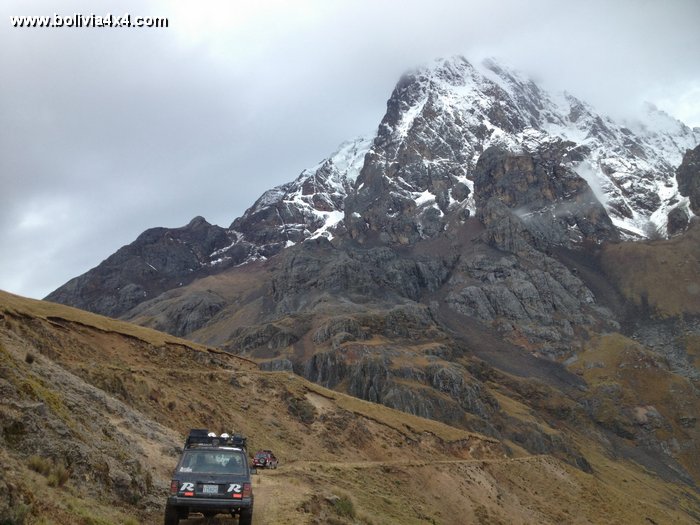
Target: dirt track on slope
(280,489)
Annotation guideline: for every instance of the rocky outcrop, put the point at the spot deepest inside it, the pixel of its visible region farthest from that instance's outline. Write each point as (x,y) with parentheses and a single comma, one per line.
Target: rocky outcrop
(504,229)
(325,368)
(457,383)
(441,390)
(661,338)
(158,260)
(412,390)
(554,204)
(542,305)
(270,336)
(277,365)
(181,317)
(338,326)
(688,176)
(314,268)
(678,221)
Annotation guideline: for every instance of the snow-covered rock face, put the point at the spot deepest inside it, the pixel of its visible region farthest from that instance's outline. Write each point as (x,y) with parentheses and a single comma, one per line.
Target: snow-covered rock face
(441,118)
(418,172)
(306,208)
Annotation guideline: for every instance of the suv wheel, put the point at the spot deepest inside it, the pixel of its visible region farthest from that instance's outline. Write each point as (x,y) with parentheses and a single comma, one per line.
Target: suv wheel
(246,517)
(172,515)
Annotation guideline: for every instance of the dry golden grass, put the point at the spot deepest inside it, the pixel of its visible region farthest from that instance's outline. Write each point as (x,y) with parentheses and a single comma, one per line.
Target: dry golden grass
(46,310)
(662,274)
(522,412)
(239,289)
(614,363)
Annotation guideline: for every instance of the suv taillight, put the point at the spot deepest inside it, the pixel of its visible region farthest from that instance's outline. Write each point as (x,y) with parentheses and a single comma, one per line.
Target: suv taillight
(247,490)
(174,484)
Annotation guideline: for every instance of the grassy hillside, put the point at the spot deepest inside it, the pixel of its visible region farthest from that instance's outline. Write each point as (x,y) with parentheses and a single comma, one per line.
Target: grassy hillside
(661,276)
(93,411)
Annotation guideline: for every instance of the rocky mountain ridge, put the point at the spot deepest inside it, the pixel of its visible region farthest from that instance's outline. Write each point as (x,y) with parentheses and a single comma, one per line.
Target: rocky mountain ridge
(417,172)
(164,258)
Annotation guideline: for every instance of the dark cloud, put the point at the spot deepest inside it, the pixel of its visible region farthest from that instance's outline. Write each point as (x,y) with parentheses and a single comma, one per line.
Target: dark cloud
(107,132)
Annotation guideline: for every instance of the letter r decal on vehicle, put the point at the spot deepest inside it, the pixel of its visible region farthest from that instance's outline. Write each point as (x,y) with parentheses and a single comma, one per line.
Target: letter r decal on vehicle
(234,487)
(187,486)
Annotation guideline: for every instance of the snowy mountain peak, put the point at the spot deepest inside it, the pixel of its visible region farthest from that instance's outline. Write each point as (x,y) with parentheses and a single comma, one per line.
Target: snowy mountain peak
(308,207)
(419,169)
(442,117)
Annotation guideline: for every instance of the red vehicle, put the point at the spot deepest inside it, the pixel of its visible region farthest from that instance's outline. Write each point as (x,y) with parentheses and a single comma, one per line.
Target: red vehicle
(265,459)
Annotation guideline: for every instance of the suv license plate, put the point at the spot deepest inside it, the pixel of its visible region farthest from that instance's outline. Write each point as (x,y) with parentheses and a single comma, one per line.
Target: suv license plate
(210,489)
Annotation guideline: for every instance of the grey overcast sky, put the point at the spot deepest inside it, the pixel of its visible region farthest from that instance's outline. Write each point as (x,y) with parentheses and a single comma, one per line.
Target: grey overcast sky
(107,132)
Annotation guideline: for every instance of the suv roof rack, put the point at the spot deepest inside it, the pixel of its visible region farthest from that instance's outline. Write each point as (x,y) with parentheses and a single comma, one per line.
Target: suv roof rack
(200,437)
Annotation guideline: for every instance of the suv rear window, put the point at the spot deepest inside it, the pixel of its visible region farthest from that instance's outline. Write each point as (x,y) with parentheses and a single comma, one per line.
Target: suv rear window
(213,462)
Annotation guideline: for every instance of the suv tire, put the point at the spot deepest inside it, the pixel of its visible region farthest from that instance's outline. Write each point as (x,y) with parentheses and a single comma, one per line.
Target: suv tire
(172,515)
(246,517)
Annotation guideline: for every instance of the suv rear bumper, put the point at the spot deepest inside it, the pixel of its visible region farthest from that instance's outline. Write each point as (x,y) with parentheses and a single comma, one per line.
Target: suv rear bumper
(210,504)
